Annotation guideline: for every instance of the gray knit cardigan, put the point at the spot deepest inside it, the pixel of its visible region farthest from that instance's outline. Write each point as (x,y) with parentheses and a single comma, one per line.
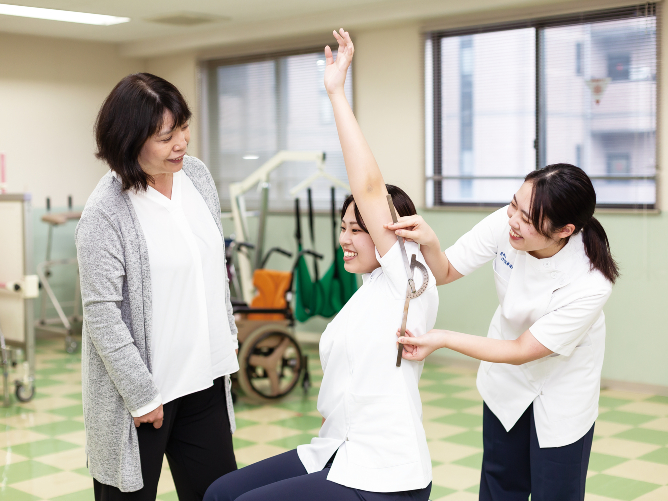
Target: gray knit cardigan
(116,339)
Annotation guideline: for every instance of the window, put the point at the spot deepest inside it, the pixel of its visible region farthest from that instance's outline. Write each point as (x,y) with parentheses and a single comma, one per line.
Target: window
(254,108)
(504,100)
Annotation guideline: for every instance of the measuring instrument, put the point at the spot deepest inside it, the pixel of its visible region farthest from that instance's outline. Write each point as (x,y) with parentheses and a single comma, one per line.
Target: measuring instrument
(411,293)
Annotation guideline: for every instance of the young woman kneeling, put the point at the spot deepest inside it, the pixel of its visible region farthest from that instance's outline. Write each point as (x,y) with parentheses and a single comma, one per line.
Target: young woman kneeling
(372,445)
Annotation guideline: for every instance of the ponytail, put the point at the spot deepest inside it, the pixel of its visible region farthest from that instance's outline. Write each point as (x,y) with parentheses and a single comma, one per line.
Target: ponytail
(563,194)
(597,249)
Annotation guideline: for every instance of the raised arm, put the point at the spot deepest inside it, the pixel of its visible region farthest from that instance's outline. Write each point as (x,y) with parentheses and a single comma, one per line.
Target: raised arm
(366,180)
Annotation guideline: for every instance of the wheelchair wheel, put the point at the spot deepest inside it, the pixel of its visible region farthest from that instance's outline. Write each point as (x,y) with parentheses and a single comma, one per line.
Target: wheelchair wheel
(270,363)
(24,393)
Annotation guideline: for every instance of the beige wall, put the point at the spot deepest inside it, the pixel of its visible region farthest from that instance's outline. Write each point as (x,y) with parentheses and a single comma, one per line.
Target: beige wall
(388,90)
(50,93)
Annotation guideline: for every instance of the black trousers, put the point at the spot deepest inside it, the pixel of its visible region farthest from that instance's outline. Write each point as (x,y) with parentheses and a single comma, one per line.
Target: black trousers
(514,466)
(284,478)
(195,436)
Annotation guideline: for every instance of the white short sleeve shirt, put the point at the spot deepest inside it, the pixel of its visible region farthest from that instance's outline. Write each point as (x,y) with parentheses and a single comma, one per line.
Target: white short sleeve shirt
(560,300)
(191,340)
(372,408)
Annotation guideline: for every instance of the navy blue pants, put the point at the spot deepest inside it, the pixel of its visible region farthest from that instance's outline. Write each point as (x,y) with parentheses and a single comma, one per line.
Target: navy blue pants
(284,478)
(514,466)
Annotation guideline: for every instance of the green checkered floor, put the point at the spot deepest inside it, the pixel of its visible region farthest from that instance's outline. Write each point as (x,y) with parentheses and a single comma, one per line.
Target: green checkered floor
(42,450)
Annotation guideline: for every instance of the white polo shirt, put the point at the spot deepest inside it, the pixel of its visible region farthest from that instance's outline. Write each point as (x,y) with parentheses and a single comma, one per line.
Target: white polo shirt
(191,341)
(560,300)
(372,408)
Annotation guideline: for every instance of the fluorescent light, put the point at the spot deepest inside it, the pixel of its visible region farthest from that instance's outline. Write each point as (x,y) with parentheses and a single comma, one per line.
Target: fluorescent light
(60,15)
(250,157)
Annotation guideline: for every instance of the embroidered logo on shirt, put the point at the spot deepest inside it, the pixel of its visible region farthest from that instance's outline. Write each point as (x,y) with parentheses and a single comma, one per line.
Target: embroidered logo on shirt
(504,260)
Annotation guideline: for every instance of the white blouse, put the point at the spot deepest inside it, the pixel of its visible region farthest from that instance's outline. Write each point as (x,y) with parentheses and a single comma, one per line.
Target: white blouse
(560,300)
(372,409)
(191,341)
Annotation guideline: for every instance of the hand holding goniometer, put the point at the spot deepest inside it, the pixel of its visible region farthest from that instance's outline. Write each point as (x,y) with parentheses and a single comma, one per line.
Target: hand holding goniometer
(411,293)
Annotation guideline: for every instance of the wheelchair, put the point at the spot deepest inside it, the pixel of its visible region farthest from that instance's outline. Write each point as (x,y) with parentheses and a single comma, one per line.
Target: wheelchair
(271,362)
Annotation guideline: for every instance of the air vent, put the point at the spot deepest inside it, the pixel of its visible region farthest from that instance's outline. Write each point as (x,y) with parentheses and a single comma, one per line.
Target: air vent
(187,19)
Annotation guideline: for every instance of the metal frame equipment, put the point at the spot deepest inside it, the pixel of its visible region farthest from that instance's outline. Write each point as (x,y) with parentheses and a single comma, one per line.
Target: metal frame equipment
(18,288)
(239,214)
(61,324)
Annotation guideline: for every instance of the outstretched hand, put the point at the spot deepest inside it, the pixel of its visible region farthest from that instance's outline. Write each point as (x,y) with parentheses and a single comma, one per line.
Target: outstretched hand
(418,348)
(335,71)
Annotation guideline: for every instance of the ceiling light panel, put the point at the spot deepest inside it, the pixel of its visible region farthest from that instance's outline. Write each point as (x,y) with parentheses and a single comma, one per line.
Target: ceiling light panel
(61,15)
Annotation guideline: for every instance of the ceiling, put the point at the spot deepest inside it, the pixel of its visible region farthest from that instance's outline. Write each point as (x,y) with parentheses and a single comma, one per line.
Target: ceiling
(232,22)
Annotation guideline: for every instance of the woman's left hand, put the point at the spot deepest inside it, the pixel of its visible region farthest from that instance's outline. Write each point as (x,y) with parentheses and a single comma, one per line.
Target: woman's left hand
(335,71)
(418,348)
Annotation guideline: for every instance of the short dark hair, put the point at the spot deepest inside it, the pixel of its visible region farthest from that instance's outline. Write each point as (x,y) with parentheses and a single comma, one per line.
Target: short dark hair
(402,202)
(129,116)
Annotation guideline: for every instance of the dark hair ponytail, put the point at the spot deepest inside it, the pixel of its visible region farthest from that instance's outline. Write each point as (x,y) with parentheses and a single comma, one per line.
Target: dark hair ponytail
(597,248)
(563,194)
(402,202)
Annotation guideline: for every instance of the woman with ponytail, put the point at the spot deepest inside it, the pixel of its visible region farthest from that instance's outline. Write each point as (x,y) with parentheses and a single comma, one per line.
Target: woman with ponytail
(542,357)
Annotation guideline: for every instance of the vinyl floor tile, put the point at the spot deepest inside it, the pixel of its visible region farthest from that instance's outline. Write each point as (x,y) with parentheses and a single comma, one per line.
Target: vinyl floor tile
(267,414)
(258,452)
(618,487)
(43,440)
(67,460)
(607,428)
(625,395)
(51,486)
(7,456)
(11,438)
(460,496)
(646,471)
(76,438)
(446,452)
(455,477)
(660,424)
(657,456)
(30,419)
(622,448)
(646,407)
(660,494)
(438,430)
(26,470)
(265,432)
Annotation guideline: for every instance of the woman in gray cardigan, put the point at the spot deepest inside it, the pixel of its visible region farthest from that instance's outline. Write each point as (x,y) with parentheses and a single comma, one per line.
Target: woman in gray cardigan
(159,337)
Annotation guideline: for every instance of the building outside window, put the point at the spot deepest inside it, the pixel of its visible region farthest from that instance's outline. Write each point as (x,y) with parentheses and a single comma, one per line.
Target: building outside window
(254,108)
(504,100)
